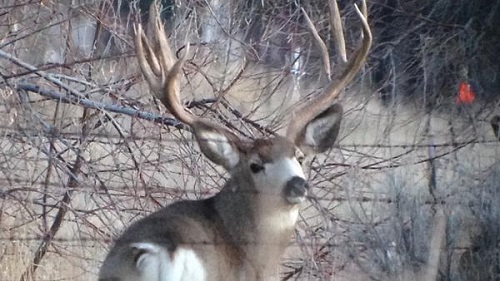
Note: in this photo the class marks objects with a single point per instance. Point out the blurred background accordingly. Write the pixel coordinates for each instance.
(85, 149)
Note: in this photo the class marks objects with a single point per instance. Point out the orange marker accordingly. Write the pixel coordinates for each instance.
(465, 94)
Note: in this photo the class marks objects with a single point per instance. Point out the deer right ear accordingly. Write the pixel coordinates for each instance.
(217, 145)
(321, 132)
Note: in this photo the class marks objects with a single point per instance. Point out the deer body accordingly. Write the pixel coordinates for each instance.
(210, 239)
(241, 232)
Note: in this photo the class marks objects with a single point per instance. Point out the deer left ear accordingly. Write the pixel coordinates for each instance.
(321, 132)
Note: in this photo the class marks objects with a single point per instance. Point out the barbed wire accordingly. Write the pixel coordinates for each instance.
(175, 193)
(105, 137)
(87, 240)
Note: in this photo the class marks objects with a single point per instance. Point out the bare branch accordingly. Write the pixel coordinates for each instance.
(100, 106)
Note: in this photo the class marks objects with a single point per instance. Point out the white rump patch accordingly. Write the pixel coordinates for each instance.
(156, 265)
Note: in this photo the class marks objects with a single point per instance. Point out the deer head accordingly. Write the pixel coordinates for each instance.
(312, 129)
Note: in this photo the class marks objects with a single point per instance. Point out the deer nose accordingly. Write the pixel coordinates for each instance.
(296, 190)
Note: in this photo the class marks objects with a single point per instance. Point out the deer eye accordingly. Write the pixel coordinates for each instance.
(299, 156)
(300, 159)
(256, 168)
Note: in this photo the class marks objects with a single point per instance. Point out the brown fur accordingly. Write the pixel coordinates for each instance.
(217, 229)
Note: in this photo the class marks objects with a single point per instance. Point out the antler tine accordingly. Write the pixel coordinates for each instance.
(147, 59)
(322, 102)
(337, 33)
(325, 56)
(160, 68)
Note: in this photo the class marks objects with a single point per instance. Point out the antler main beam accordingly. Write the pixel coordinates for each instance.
(325, 99)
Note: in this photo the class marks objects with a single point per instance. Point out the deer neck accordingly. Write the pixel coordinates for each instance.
(252, 218)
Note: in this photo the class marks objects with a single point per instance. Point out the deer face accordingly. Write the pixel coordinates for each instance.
(275, 166)
(271, 166)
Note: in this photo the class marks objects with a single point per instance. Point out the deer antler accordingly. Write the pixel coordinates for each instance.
(161, 71)
(322, 102)
(336, 25)
(160, 68)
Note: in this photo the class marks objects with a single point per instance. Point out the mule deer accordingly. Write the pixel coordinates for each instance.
(241, 232)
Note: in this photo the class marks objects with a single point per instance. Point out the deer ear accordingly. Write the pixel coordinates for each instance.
(321, 132)
(217, 145)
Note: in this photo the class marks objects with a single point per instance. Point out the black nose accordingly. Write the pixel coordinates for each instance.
(296, 190)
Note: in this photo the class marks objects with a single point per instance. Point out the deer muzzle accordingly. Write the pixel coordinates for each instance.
(295, 190)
